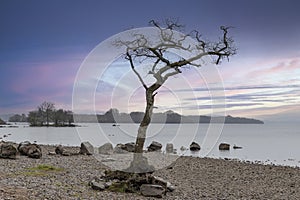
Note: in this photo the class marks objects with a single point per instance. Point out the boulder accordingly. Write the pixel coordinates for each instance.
(150, 190)
(24, 147)
(119, 148)
(130, 146)
(224, 146)
(169, 148)
(86, 148)
(30, 150)
(8, 151)
(59, 149)
(155, 146)
(107, 149)
(195, 146)
(34, 151)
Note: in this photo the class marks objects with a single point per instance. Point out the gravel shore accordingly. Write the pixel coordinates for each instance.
(194, 178)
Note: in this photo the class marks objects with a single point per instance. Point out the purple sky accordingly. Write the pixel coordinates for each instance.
(43, 43)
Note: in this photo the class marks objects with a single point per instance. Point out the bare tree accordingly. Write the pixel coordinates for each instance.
(46, 109)
(140, 49)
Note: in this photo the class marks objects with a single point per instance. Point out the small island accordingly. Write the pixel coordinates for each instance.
(114, 116)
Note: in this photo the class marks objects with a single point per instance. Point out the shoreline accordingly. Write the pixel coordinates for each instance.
(193, 177)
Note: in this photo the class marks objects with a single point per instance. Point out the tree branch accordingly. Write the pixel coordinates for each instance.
(128, 57)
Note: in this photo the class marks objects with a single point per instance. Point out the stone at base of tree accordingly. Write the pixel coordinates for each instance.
(139, 165)
(107, 149)
(150, 190)
(8, 151)
(224, 146)
(155, 146)
(169, 148)
(195, 146)
(59, 149)
(86, 148)
(162, 182)
(97, 185)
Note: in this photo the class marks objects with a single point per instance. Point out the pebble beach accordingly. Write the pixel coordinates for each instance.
(194, 178)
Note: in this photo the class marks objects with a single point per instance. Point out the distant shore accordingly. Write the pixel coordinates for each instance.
(194, 178)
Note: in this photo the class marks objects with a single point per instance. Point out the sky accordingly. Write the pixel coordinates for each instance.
(44, 43)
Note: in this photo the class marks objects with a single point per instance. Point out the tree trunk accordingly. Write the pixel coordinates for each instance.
(141, 136)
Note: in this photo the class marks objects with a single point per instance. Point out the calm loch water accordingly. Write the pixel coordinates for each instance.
(276, 143)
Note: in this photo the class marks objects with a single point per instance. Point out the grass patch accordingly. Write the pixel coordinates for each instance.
(45, 168)
(118, 187)
(40, 170)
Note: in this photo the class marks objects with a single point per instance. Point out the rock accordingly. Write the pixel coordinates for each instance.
(195, 146)
(4, 136)
(130, 146)
(155, 146)
(224, 146)
(66, 153)
(34, 151)
(59, 149)
(107, 149)
(97, 185)
(170, 187)
(182, 148)
(149, 190)
(24, 147)
(169, 148)
(119, 148)
(86, 148)
(236, 147)
(8, 151)
(51, 153)
(160, 181)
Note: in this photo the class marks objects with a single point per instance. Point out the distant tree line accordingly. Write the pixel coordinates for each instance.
(46, 115)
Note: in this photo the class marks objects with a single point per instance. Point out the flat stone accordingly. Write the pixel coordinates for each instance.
(97, 185)
(149, 190)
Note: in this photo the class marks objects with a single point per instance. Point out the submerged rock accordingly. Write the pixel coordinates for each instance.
(169, 148)
(195, 146)
(236, 147)
(224, 147)
(155, 146)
